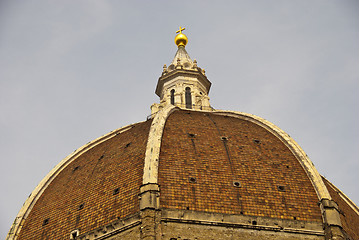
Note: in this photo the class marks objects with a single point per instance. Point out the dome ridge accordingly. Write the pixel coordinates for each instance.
(150, 172)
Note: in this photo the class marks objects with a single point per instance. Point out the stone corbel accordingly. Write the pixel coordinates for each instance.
(332, 224)
(149, 196)
(331, 212)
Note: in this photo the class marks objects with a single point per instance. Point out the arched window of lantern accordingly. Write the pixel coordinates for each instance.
(188, 97)
(173, 97)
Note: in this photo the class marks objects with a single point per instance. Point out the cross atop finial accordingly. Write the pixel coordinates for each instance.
(180, 30)
(181, 39)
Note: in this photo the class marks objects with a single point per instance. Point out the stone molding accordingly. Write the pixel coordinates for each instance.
(241, 221)
(149, 221)
(111, 229)
(40, 188)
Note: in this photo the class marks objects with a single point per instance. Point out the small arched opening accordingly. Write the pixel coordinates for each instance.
(173, 97)
(188, 97)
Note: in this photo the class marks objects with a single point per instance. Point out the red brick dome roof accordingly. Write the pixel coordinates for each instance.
(211, 162)
(230, 165)
(96, 187)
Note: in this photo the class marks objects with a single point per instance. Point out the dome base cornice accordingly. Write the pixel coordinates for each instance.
(143, 225)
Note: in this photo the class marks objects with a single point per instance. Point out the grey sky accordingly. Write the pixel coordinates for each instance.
(71, 71)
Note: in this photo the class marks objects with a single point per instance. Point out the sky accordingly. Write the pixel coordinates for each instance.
(72, 71)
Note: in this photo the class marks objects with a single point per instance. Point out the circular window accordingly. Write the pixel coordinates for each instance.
(192, 180)
(237, 183)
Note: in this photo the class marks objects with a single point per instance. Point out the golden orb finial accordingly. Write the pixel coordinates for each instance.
(181, 39)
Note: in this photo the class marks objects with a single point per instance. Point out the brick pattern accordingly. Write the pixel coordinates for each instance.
(349, 219)
(91, 180)
(197, 169)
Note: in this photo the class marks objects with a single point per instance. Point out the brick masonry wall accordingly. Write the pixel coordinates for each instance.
(203, 155)
(84, 196)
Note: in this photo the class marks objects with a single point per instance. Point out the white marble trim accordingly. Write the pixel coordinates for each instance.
(150, 171)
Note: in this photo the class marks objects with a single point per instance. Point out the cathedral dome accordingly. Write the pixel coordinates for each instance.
(188, 172)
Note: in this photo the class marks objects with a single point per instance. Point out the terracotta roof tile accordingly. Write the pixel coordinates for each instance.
(217, 150)
(82, 195)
